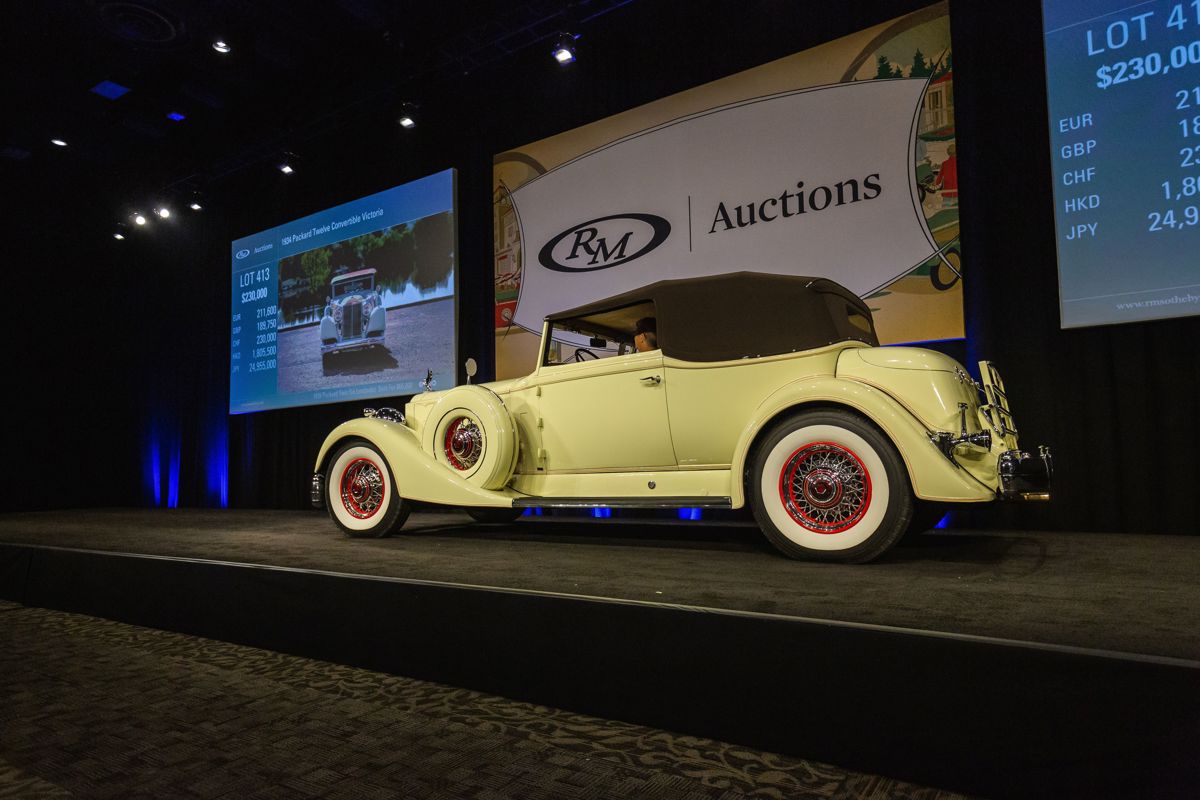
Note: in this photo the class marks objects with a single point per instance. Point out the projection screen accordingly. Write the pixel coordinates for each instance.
(353, 302)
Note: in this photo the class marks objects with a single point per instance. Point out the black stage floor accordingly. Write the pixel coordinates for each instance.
(1132, 594)
(997, 664)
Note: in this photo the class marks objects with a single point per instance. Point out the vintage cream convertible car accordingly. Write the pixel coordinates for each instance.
(766, 389)
(354, 317)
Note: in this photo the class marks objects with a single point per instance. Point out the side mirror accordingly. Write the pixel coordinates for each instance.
(472, 369)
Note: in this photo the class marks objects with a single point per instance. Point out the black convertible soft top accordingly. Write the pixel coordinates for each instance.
(744, 315)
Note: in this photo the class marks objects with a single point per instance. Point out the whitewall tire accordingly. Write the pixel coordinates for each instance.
(828, 485)
(361, 493)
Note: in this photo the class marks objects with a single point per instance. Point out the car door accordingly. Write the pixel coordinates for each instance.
(608, 415)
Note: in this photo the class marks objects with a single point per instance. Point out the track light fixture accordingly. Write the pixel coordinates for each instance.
(221, 46)
(564, 48)
(139, 218)
(163, 212)
(58, 142)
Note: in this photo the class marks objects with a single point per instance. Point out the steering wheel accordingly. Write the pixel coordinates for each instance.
(581, 351)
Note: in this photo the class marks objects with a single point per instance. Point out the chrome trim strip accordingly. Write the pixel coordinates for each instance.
(623, 502)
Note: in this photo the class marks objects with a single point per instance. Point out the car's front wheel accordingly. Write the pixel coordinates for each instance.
(827, 485)
(361, 494)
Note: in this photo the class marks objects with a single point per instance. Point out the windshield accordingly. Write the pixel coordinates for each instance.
(354, 286)
(604, 334)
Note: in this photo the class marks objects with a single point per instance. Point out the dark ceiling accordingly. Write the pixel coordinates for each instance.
(296, 71)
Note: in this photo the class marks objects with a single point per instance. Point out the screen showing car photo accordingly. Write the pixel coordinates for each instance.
(354, 302)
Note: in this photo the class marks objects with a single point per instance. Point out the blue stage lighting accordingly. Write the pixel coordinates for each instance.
(152, 470)
(110, 90)
(218, 466)
(173, 475)
(175, 116)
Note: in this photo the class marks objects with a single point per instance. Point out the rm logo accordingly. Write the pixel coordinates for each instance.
(605, 242)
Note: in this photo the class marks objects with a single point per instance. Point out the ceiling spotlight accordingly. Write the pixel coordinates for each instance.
(163, 211)
(287, 162)
(139, 219)
(221, 46)
(194, 206)
(120, 237)
(58, 142)
(564, 48)
(407, 118)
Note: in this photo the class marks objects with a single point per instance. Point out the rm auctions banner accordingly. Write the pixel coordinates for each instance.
(785, 168)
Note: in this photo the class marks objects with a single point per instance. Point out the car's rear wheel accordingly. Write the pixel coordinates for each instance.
(495, 515)
(361, 494)
(827, 485)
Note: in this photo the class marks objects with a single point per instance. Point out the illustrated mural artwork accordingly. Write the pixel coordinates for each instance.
(852, 176)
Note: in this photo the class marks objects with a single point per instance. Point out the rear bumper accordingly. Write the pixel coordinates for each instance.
(1025, 476)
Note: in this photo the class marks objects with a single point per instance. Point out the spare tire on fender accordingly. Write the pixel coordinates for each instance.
(471, 432)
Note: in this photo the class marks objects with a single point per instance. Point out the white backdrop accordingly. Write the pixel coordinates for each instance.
(744, 153)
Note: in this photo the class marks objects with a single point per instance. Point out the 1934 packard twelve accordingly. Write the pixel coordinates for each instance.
(763, 389)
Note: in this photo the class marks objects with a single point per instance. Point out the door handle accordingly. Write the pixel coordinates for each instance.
(654, 379)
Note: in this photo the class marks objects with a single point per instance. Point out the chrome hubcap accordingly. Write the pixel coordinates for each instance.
(464, 443)
(362, 488)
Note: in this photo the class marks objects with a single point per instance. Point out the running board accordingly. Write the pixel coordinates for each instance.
(623, 502)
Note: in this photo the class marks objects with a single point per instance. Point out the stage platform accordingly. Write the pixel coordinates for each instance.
(1001, 664)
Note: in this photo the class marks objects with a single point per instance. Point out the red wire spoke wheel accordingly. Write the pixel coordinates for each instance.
(463, 443)
(825, 487)
(362, 488)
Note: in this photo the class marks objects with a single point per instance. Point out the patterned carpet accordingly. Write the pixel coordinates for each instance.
(92, 708)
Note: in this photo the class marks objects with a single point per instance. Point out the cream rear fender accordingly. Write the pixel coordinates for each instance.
(931, 474)
(417, 475)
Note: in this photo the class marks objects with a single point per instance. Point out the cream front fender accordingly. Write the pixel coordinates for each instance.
(417, 475)
(932, 475)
